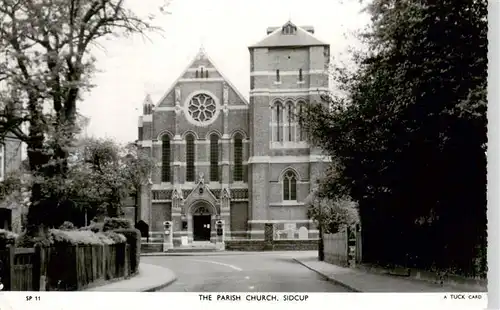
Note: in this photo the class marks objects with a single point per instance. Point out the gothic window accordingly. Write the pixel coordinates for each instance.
(190, 156)
(2, 162)
(290, 122)
(301, 78)
(278, 122)
(196, 73)
(140, 133)
(214, 157)
(289, 186)
(301, 136)
(202, 108)
(201, 72)
(238, 157)
(277, 75)
(206, 74)
(165, 158)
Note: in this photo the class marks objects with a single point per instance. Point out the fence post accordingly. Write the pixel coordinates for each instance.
(11, 252)
(77, 265)
(37, 264)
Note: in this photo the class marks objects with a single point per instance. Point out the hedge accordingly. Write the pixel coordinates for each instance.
(111, 223)
(134, 240)
(72, 237)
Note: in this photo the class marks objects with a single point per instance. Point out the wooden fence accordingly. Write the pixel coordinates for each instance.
(62, 268)
(336, 248)
(343, 248)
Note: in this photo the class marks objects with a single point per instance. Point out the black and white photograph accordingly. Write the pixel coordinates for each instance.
(245, 151)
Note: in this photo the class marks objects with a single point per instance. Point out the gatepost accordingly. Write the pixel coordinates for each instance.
(168, 236)
(221, 235)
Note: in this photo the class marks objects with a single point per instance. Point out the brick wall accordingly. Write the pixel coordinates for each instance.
(275, 245)
(239, 216)
(161, 212)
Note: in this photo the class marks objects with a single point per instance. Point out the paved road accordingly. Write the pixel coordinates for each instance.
(250, 272)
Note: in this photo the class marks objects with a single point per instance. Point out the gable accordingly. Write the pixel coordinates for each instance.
(192, 74)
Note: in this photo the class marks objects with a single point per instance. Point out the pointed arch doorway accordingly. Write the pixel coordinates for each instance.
(202, 222)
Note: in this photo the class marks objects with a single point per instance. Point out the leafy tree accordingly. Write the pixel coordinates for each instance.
(46, 62)
(107, 173)
(409, 137)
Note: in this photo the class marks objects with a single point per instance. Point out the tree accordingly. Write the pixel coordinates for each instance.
(47, 63)
(107, 173)
(139, 167)
(409, 137)
(332, 213)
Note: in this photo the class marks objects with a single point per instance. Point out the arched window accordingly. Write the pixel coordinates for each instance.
(289, 186)
(238, 158)
(2, 161)
(277, 75)
(290, 122)
(201, 70)
(214, 157)
(190, 158)
(301, 77)
(196, 73)
(300, 133)
(165, 158)
(278, 120)
(206, 74)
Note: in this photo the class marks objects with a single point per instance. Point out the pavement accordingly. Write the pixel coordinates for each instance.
(357, 280)
(151, 278)
(242, 272)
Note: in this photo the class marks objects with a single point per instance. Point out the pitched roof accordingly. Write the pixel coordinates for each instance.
(299, 37)
(201, 55)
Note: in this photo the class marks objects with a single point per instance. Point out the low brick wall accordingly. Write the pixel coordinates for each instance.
(151, 247)
(275, 245)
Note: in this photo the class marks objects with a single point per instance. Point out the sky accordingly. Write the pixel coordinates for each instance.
(130, 68)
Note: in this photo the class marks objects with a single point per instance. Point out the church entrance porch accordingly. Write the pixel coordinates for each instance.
(201, 227)
(201, 217)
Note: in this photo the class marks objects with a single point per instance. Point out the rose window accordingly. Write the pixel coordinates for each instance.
(202, 108)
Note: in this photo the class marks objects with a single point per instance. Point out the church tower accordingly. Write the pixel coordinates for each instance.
(287, 72)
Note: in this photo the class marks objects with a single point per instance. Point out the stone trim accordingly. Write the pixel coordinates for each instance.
(201, 163)
(284, 73)
(190, 186)
(287, 159)
(219, 79)
(289, 92)
(229, 107)
(287, 203)
(278, 221)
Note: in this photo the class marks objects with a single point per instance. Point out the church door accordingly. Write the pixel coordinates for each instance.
(201, 227)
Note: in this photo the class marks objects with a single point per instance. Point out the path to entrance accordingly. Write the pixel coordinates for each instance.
(252, 272)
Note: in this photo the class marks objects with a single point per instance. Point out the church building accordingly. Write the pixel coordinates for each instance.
(222, 157)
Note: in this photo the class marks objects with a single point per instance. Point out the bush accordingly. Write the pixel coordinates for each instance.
(71, 237)
(67, 226)
(111, 223)
(7, 237)
(94, 227)
(116, 237)
(134, 240)
(26, 241)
